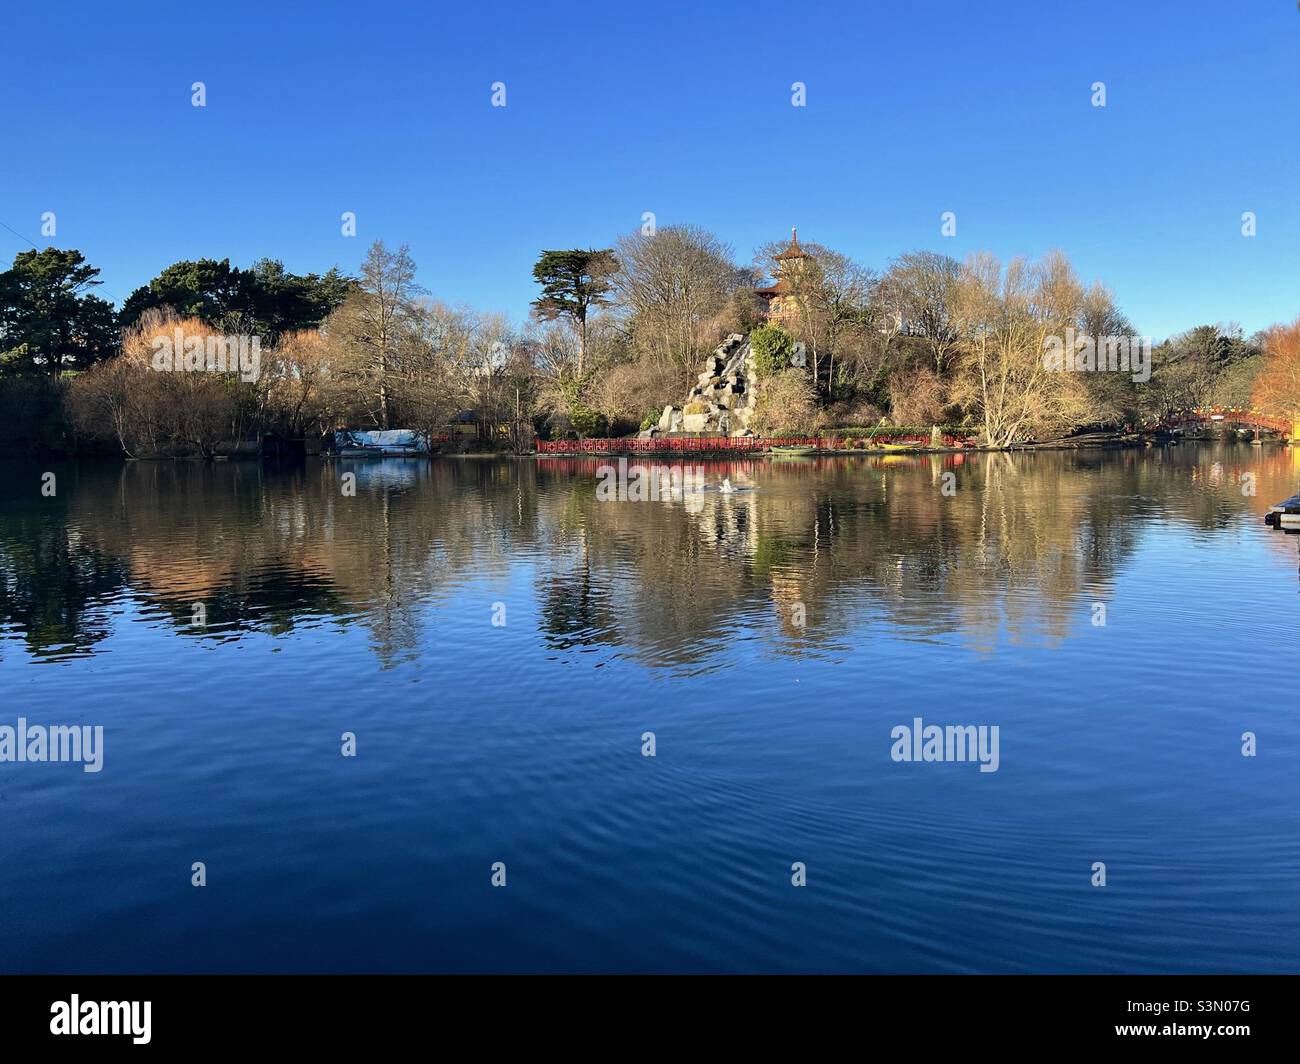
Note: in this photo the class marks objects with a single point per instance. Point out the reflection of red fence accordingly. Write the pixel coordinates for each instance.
(732, 444)
(720, 465)
(1218, 415)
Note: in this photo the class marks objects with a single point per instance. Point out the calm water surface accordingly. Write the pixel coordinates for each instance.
(521, 742)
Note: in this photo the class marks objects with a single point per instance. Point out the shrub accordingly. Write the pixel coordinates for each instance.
(772, 347)
(787, 402)
(151, 412)
(742, 313)
(855, 412)
(587, 422)
(917, 396)
(628, 392)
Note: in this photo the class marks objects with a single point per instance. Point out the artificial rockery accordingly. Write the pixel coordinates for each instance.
(722, 401)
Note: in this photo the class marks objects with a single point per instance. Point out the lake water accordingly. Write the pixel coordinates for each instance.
(970, 599)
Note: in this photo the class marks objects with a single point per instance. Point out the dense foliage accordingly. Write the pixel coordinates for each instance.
(265, 299)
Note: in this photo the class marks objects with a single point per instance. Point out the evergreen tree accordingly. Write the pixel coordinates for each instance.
(572, 283)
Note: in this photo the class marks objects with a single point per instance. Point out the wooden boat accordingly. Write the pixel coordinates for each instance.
(797, 450)
(894, 448)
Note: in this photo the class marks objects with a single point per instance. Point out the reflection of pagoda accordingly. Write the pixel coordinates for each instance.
(790, 264)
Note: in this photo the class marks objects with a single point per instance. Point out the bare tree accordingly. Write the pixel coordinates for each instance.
(1004, 318)
(671, 287)
(918, 293)
(377, 320)
(1277, 388)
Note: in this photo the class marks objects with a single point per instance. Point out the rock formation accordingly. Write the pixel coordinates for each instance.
(722, 400)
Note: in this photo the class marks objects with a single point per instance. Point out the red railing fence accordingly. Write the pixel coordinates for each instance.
(1223, 414)
(730, 444)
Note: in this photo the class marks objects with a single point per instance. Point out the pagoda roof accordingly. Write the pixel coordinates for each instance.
(794, 251)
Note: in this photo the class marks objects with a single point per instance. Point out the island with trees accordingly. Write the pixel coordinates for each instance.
(615, 337)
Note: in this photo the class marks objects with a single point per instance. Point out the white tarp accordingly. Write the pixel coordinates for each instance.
(406, 441)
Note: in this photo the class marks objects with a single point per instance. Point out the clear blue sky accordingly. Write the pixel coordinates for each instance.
(914, 108)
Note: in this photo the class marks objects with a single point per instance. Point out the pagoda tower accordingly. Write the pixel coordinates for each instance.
(781, 297)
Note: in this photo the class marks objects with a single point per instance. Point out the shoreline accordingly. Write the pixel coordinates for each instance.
(1090, 442)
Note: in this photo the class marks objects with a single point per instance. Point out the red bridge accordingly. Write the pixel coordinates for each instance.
(1220, 415)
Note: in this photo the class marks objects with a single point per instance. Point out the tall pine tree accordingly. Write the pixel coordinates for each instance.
(572, 283)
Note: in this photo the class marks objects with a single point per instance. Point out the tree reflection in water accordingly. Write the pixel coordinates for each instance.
(841, 542)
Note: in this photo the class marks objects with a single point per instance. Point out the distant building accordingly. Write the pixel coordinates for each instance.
(466, 425)
(781, 297)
